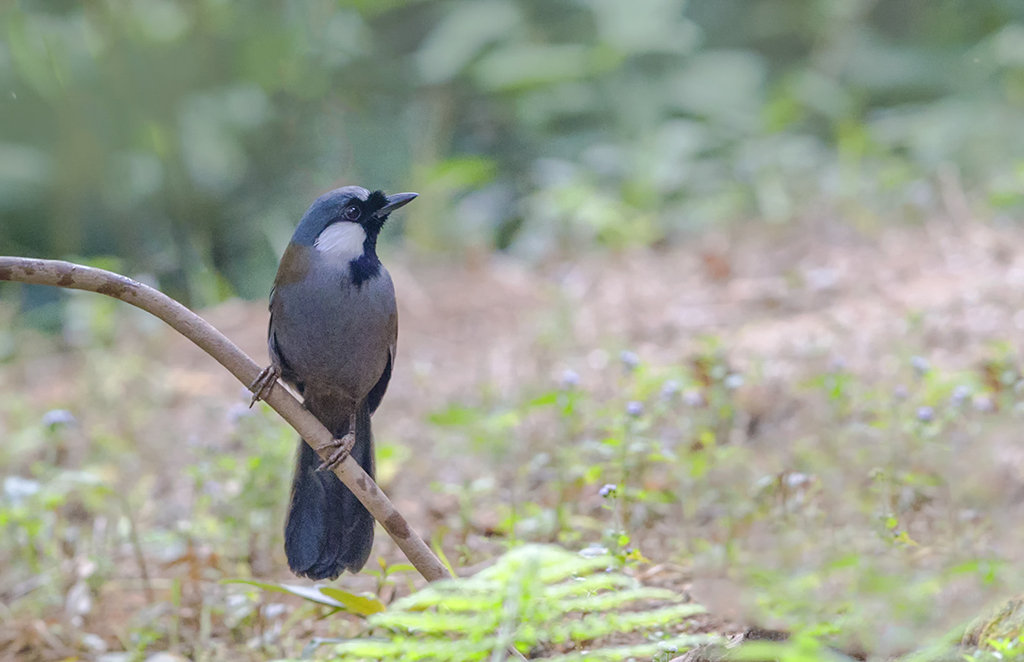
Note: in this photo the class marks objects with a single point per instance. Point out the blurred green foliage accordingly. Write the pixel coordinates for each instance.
(188, 137)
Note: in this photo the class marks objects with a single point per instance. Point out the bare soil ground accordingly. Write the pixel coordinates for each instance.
(782, 303)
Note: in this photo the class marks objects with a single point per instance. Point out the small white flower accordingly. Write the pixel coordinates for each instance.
(58, 418)
(733, 381)
(17, 489)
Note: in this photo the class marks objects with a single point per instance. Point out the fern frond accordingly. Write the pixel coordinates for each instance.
(454, 597)
(595, 626)
(617, 653)
(533, 597)
(555, 564)
(405, 648)
(605, 581)
(606, 601)
(434, 623)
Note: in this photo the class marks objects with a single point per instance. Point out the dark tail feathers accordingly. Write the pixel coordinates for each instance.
(328, 530)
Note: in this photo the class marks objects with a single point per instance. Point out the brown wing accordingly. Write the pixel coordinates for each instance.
(294, 266)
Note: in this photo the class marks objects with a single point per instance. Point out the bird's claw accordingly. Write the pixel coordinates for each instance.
(340, 449)
(264, 381)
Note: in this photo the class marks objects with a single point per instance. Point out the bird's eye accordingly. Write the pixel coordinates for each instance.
(351, 213)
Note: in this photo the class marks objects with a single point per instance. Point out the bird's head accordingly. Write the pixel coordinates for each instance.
(344, 223)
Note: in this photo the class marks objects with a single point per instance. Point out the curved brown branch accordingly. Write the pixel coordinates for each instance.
(214, 343)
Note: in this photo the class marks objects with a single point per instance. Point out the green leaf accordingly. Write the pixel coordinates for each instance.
(455, 416)
(324, 595)
(462, 35)
(592, 474)
(545, 400)
(310, 593)
(363, 606)
(459, 173)
(521, 66)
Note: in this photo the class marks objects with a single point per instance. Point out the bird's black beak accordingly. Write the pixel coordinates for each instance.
(394, 202)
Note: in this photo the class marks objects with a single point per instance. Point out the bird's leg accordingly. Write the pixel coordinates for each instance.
(340, 448)
(264, 381)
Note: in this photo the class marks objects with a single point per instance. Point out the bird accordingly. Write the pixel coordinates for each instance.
(332, 337)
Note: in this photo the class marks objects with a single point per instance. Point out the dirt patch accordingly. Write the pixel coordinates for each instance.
(780, 304)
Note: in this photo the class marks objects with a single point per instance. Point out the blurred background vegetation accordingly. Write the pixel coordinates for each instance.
(803, 450)
(186, 138)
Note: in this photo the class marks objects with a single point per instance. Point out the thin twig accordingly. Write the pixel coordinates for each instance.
(214, 343)
(133, 536)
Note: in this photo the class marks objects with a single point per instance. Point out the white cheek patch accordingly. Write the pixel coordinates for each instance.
(342, 241)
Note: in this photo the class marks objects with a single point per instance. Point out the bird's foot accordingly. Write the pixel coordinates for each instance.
(264, 381)
(340, 449)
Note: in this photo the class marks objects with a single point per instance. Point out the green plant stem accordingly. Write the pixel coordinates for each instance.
(133, 536)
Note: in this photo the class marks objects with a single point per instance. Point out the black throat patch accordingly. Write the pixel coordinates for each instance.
(364, 267)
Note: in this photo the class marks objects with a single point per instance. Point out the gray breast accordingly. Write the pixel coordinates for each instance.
(335, 335)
